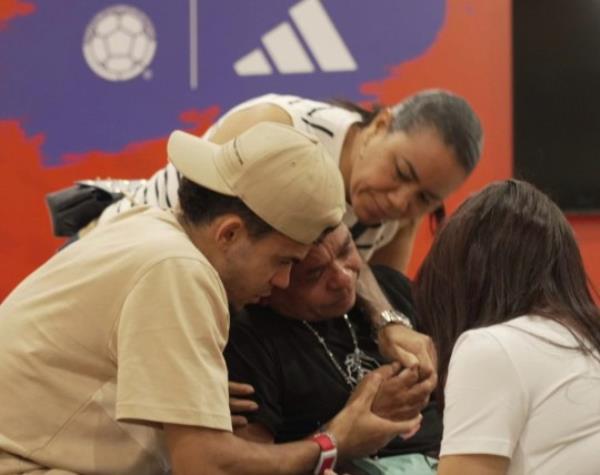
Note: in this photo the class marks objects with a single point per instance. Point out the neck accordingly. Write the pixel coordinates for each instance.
(199, 236)
(286, 308)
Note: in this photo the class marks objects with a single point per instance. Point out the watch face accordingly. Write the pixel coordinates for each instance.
(392, 316)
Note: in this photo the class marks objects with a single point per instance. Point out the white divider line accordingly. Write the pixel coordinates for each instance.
(193, 44)
(322, 37)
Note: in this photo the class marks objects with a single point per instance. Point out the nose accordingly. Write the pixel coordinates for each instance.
(342, 278)
(281, 278)
(400, 199)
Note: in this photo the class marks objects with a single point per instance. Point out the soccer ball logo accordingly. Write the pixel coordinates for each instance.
(119, 43)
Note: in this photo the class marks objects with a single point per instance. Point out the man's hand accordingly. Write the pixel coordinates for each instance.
(411, 349)
(239, 403)
(402, 397)
(360, 432)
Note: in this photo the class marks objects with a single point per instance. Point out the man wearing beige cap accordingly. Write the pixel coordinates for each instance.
(111, 352)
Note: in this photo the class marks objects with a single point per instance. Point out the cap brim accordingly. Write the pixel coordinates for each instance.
(195, 159)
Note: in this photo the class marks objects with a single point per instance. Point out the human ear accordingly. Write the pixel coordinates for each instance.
(228, 230)
(380, 124)
(383, 119)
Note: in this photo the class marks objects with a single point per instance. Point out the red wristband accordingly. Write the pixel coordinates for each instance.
(328, 455)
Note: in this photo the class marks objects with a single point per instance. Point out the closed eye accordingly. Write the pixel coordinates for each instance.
(424, 198)
(314, 274)
(400, 175)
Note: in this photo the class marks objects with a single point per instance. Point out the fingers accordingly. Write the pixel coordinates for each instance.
(411, 433)
(237, 405)
(238, 421)
(426, 362)
(411, 348)
(240, 389)
(410, 427)
(405, 358)
(386, 371)
(419, 392)
(367, 389)
(402, 397)
(407, 378)
(240, 404)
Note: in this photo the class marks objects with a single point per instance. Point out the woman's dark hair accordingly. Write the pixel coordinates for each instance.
(508, 251)
(199, 205)
(450, 115)
(437, 218)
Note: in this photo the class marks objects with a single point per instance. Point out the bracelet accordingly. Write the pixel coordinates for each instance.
(388, 317)
(328, 455)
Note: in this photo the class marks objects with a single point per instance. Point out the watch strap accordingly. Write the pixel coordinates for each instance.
(328, 456)
(387, 317)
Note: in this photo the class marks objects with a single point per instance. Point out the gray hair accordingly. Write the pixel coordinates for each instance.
(449, 114)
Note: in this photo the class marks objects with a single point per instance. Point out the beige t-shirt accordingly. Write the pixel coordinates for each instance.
(115, 334)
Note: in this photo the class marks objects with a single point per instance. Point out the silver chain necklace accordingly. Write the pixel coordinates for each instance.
(354, 361)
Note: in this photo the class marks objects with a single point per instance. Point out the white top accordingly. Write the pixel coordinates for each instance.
(517, 395)
(126, 325)
(327, 122)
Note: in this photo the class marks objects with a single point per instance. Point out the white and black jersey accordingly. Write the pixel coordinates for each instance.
(328, 122)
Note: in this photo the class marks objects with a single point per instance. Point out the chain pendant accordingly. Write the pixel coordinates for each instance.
(357, 363)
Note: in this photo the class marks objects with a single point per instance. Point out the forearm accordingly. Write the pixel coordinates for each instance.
(356, 430)
(204, 451)
(249, 458)
(370, 296)
(398, 251)
(473, 464)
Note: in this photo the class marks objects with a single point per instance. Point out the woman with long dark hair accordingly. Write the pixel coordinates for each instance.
(504, 296)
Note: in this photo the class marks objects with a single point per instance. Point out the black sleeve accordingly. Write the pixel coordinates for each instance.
(252, 359)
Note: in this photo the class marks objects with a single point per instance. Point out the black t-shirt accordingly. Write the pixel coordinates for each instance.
(298, 388)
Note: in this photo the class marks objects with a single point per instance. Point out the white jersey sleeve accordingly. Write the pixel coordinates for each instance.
(486, 403)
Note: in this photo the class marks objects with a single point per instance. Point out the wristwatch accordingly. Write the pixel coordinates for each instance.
(328, 456)
(388, 317)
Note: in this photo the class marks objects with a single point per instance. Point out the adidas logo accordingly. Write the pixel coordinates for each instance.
(285, 50)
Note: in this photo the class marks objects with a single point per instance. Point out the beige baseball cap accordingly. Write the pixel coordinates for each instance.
(283, 175)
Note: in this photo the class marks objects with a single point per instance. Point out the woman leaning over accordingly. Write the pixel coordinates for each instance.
(398, 163)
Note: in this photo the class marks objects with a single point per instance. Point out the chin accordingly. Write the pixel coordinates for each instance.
(364, 217)
(340, 308)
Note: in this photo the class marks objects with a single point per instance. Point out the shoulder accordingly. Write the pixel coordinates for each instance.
(263, 112)
(518, 333)
(259, 322)
(487, 355)
(151, 241)
(485, 393)
(482, 343)
(246, 115)
(490, 342)
(297, 111)
(509, 348)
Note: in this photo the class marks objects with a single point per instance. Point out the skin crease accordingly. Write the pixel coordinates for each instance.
(257, 266)
(250, 267)
(399, 344)
(361, 154)
(323, 285)
(376, 166)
